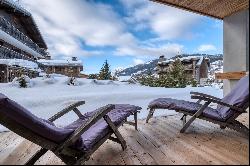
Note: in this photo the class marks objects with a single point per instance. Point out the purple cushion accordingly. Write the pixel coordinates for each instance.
(190, 107)
(23, 117)
(48, 130)
(239, 96)
(99, 130)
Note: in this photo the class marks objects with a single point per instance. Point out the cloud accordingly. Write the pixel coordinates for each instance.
(206, 48)
(167, 22)
(145, 52)
(66, 25)
(138, 61)
(69, 27)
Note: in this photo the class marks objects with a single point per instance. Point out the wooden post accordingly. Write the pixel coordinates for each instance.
(184, 119)
(36, 157)
(116, 132)
(135, 118)
(150, 114)
(196, 115)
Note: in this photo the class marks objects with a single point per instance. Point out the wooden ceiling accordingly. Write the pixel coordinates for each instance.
(214, 8)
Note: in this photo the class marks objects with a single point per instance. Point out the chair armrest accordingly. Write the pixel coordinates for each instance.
(218, 102)
(205, 95)
(84, 127)
(66, 110)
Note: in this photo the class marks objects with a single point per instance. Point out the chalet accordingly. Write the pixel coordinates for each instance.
(71, 68)
(21, 42)
(195, 66)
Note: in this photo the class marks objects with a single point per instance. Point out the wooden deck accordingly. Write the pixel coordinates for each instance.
(158, 142)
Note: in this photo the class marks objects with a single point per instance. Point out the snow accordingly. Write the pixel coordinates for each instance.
(215, 67)
(15, 82)
(17, 6)
(200, 61)
(19, 62)
(124, 78)
(166, 61)
(60, 62)
(47, 96)
(200, 58)
(14, 42)
(190, 57)
(149, 62)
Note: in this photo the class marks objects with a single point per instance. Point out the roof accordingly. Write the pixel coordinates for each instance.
(26, 19)
(60, 62)
(198, 59)
(214, 8)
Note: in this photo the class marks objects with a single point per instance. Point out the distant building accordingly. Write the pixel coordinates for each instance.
(196, 67)
(21, 42)
(71, 68)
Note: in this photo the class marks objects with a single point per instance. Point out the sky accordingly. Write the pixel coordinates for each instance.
(124, 32)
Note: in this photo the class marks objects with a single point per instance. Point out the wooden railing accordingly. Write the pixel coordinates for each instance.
(230, 75)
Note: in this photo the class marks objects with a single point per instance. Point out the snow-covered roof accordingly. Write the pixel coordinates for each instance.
(60, 62)
(17, 6)
(19, 62)
(198, 58)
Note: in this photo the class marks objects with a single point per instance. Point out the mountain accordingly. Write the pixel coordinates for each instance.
(138, 69)
(151, 65)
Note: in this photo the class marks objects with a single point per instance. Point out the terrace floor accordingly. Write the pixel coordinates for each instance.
(158, 142)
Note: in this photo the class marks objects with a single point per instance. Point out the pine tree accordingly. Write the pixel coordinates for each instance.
(22, 82)
(176, 76)
(93, 76)
(105, 73)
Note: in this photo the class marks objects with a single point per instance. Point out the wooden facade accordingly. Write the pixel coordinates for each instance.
(195, 67)
(70, 68)
(70, 71)
(8, 73)
(20, 38)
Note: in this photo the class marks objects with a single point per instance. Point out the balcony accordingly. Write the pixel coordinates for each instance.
(8, 28)
(156, 143)
(6, 53)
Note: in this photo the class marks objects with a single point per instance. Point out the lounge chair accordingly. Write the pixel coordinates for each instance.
(75, 143)
(228, 109)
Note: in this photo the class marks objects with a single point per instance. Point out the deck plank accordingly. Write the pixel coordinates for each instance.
(158, 142)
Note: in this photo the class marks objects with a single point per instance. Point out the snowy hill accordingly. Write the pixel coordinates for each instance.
(138, 69)
(151, 65)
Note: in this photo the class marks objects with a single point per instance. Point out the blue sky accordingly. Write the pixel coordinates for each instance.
(125, 32)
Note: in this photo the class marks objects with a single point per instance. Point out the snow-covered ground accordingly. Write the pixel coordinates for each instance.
(46, 96)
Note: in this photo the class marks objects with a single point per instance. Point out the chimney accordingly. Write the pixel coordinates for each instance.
(74, 58)
(162, 58)
(47, 57)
